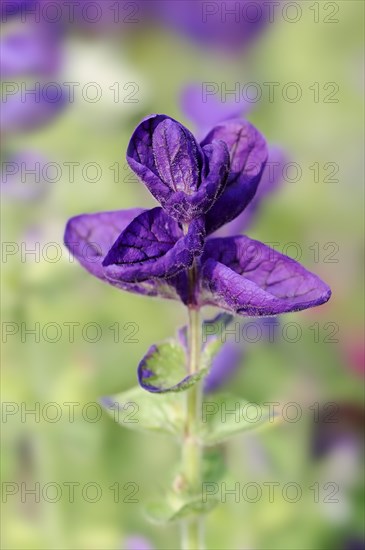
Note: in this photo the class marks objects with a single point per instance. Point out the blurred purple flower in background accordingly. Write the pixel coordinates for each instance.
(22, 177)
(233, 352)
(136, 542)
(339, 427)
(229, 26)
(354, 544)
(224, 366)
(26, 113)
(30, 48)
(205, 110)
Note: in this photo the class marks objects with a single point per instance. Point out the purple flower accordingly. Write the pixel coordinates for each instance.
(229, 25)
(30, 46)
(271, 180)
(185, 178)
(136, 542)
(32, 49)
(247, 277)
(248, 156)
(24, 113)
(153, 246)
(18, 181)
(150, 252)
(206, 112)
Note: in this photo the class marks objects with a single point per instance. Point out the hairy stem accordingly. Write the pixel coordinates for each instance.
(192, 529)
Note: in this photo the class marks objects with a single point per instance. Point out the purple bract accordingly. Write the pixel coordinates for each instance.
(201, 188)
(185, 178)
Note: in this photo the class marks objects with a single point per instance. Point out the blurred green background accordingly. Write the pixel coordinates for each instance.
(35, 449)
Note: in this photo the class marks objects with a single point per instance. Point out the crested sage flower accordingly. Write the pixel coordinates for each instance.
(200, 188)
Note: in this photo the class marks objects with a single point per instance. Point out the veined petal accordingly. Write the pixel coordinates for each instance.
(271, 179)
(141, 159)
(153, 246)
(249, 278)
(214, 178)
(248, 156)
(176, 156)
(217, 168)
(89, 237)
(166, 157)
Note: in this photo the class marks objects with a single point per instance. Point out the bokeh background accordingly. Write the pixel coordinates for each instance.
(142, 64)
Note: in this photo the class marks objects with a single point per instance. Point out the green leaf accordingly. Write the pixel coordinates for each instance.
(214, 466)
(139, 410)
(164, 369)
(173, 508)
(224, 416)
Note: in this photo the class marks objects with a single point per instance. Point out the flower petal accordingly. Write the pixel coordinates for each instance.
(182, 206)
(249, 278)
(176, 156)
(166, 157)
(248, 153)
(153, 246)
(271, 179)
(90, 236)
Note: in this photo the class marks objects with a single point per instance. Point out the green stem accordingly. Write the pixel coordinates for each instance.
(192, 529)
